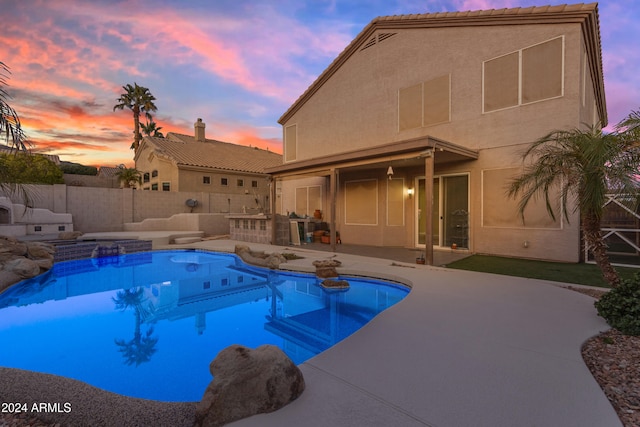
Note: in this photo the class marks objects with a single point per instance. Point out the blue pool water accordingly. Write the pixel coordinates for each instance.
(148, 324)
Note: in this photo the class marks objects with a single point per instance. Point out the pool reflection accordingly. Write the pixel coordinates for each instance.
(183, 307)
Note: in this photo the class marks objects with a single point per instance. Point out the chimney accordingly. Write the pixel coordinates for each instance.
(199, 130)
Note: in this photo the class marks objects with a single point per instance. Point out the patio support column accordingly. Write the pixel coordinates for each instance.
(428, 207)
(272, 210)
(333, 189)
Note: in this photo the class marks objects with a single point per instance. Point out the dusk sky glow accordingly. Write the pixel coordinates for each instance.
(238, 64)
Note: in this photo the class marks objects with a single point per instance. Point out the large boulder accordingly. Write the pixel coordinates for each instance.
(259, 258)
(19, 260)
(22, 267)
(37, 250)
(12, 246)
(248, 382)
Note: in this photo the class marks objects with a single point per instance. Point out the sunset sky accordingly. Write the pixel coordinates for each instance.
(237, 64)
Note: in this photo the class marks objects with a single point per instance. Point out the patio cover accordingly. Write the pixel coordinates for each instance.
(409, 153)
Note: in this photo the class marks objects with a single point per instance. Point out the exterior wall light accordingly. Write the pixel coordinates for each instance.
(410, 192)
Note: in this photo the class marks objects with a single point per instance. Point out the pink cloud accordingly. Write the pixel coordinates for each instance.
(465, 5)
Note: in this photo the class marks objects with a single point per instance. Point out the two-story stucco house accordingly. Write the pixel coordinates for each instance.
(412, 134)
(194, 163)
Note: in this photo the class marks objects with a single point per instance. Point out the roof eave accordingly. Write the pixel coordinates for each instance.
(586, 14)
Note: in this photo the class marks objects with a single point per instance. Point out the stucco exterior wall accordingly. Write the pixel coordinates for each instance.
(358, 108)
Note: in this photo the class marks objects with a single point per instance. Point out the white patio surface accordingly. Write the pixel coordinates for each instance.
(462, 349)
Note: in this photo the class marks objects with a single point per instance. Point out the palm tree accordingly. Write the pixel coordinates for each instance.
(151, 129)
(14, 136)
(585, 165)
(129, 177)
(139, 100)
(139, 349)
(9, 121)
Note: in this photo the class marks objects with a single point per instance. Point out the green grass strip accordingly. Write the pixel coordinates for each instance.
(581, 274)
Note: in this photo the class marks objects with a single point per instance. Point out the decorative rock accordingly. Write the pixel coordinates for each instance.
(20, 260)
(326, 268)
(44, 263)
(11, 245)
(69, 235)
(259, 258)
(248, 382)
(22, 267)
(37, 250)
(335, 284)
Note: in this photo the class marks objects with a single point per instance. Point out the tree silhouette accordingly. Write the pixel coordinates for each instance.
(15, 139)
(151, 128)
(138, 99)
(142, 346)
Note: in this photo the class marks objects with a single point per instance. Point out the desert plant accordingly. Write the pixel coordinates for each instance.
(620, 307)
(584, 165)
(129, 177)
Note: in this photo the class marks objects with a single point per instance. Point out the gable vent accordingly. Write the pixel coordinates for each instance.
(370, 43)
(376, 39)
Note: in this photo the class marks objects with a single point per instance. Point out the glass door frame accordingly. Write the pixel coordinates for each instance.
(440, 204)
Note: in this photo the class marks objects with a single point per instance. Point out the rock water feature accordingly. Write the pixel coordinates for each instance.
(22, 260)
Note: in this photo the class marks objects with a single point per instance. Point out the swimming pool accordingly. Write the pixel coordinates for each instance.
(148, 324)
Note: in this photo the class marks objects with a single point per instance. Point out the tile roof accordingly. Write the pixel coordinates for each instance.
(108, 171)
(587, 14)
(184, 150)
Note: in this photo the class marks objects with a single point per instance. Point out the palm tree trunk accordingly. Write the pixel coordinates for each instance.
(136, 128)
(593, 239)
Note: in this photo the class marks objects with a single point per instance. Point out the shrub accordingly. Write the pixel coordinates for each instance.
(620, 307)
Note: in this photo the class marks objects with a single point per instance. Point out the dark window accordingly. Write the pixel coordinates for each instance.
(166, 186)
(240, 183)
(206, 285)
(224, 181)
(206, 180)
(145, 177)
(254, 184)
(154, 187)
(154, 174)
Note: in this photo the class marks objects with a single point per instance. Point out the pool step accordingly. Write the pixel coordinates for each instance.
(186, 240)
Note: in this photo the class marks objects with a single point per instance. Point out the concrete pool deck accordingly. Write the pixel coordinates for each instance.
(462, 349)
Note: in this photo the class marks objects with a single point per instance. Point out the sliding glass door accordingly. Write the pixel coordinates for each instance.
(450, 211)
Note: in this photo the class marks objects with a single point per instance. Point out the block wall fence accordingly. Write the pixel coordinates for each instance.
(107, 209)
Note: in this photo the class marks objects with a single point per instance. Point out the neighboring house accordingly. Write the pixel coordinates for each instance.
(415, 130)
(193, 163)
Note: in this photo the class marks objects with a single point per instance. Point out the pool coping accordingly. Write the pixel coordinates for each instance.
(463, 348)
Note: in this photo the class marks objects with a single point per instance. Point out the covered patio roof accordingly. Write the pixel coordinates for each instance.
(419, 152)
(406, 153)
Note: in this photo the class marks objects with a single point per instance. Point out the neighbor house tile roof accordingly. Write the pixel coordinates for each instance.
(184, 150)
(108, 171)
(585, 14)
